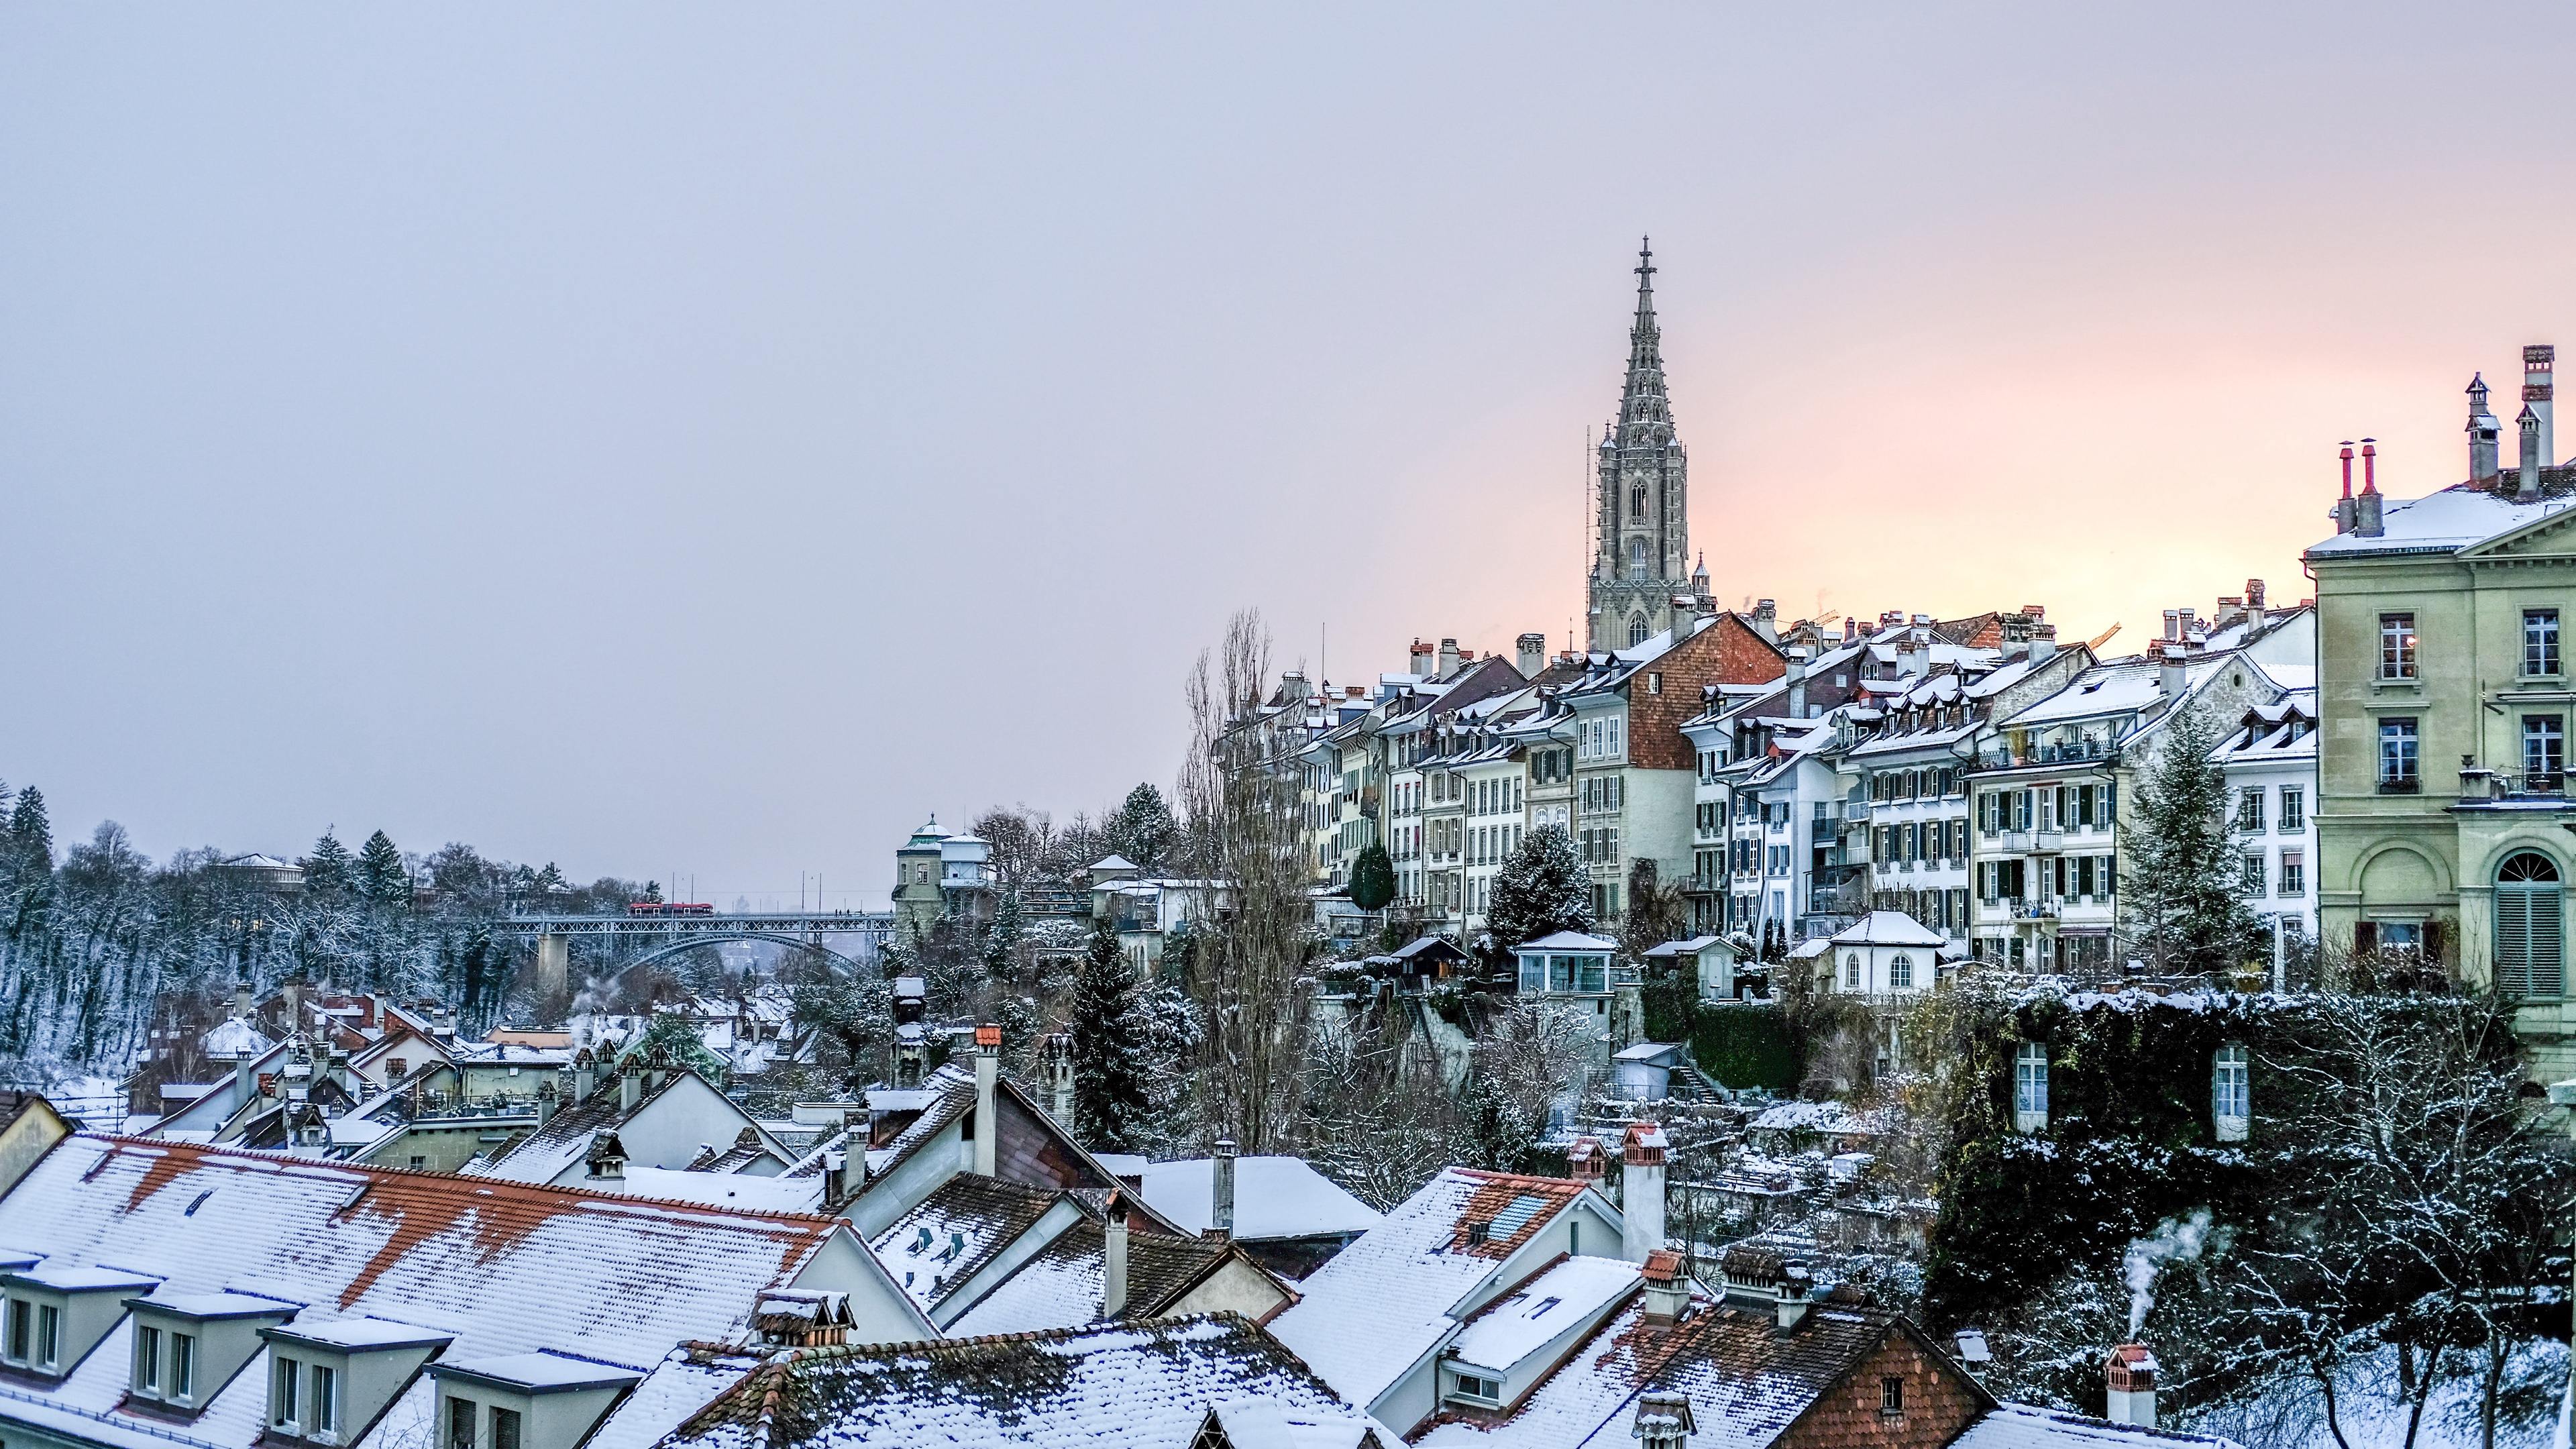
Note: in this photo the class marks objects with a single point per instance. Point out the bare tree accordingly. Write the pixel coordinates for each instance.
(1239, 791)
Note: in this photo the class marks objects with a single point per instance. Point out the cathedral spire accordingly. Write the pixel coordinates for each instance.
(1645, 415)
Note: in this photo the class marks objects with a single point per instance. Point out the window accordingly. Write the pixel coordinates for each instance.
(2109, 880)
(1891, 1395)
(2397, 646)
(2294, 873)
(2030, 1087)
(20, 1316)
(460, 1424)
(2228, 1096)
(1851, 971)
(283, 1382)
(505, 1429)
(147, 1359)
(2397, 757)
(322, 1411)
(1900, 972)
(1636, 502)
(1483, 1390)
(1636, 558)
(2249, 808)
(2249, 873)
(2529, 927)
(2544, 750)
(2294, 809)
(183, 1365)
(2540, 641)
(49, 1334)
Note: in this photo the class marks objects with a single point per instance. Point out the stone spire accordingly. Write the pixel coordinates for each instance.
(1645, 414)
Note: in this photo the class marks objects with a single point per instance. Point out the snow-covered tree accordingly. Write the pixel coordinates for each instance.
(2180, 887)
(1142, 829)
(381, 876)
(31, 835)
(1541, 889)
(669, 1034)
(328, 870)
(1111, 1066)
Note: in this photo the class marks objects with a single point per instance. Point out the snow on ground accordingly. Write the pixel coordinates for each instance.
(2373, 1415)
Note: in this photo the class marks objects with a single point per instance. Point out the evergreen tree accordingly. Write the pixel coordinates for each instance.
(2180, 887)
(550, 881)
(1540, 890)
(1002, 938)
(1110, 1066)
(671, 1035)
(1372, 879)
(31, 835)
(381, 876)
(1142, 829)
(328, 869)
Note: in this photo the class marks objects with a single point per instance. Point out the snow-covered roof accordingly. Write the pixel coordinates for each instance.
(1691, 947)
(1516, 1327)
(1367, 1315)
(933, 1249)
(1569, 941)
(1274, 1197)
(1831, 1117)
(2122, 686)
(506, 1268)
(1887, 928)
(1149, 1386)
(2022, 1426)
(2441, 522)
(232, 1039)
(739, 1190)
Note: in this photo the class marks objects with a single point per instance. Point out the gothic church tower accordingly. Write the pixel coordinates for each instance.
(1641, 521)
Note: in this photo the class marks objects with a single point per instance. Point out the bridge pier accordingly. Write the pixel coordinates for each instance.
(554, 967)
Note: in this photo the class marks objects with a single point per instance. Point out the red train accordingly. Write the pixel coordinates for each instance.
(668, 908)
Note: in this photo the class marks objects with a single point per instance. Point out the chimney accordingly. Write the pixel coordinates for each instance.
(2172, 675)
(2482, 432)
(1059, 1063)
(2539, 361)
(1424, 659)
(2527, 487)
(1797, 681)
(243, 1005)
(293, 988)
(1851, 629)
(585, 1074)
(1641, 1191)
(2043, 643)
(1667, 1289)
(988, 1068)
(1221, 1189)
(1533, 655)
(836, 1177)
(1795, 1288)
(630, 1086)
(1113, 1263)
(2344, 515)
(1766, 620)
(2132, 1376)
(1586, 1161)
(2368, 508)
(607, 1159)
(2254, 611)
(548, 1099)
(1448, 657)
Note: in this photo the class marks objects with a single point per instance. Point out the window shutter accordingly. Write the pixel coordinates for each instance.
(2365, 936)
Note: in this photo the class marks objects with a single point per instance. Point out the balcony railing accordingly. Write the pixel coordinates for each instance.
(2482, 785)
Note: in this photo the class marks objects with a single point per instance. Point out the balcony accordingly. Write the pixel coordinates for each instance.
(2025, 909)
(2496, 787)
(1855, 810)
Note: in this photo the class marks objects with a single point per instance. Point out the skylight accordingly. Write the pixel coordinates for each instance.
(1516, 1216)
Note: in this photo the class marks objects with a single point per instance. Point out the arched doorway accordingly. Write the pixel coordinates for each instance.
(2530, 927)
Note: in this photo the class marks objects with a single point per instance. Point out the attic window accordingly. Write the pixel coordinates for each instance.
(199, 1202)
(1517, 1214)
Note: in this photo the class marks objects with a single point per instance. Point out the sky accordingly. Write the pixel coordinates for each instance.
(701, 442)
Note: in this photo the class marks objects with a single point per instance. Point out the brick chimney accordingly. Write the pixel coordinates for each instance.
(1641, 1190)
(1586, 1162)
(1766, 619)
(988, 1071)
(1221, 1189)
(1423, 659)
(1113, 1264)
(1667, 1288)
(2132, 1376)
(1448, 657)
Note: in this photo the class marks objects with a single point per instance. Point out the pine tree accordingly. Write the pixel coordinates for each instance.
(31, 835)
(2180, 887)
(1142, 829)
(1540, 890)
(1002, 938)
(381, 876)
(328, 869)
(1109, 1057)
(1372, 879)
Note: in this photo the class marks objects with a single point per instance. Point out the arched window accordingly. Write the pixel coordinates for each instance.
(2530, 928)
(1636, 558)
(1637, 503)
(1900, 972)
(1851, 971)
(2030, 1088)
(1636, 631)
(2230, 1097)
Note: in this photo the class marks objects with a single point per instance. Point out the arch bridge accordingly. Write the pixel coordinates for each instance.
(804, 930)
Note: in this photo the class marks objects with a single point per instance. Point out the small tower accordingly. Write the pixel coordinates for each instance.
(1641, 532)
(2539, 365)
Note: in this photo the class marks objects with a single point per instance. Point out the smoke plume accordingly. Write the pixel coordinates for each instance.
(2173, 1242)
